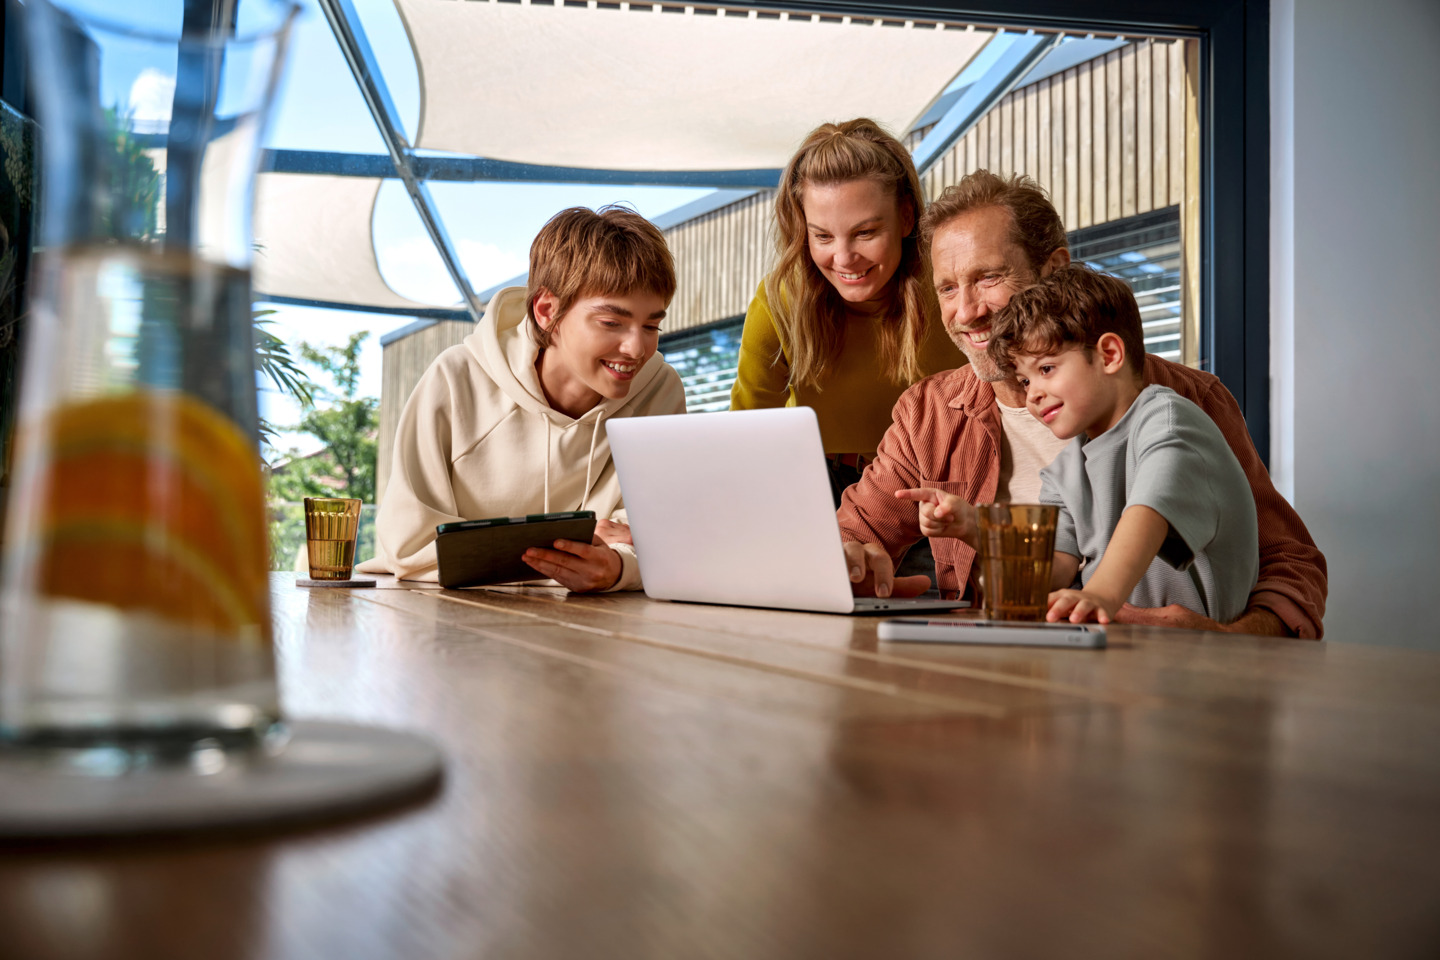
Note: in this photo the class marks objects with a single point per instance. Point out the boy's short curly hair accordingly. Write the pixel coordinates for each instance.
(589, 253)
(1073, 305)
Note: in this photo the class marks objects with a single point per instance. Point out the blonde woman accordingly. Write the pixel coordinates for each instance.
(848, 318)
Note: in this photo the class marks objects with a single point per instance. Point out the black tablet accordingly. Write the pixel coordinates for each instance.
(472, 553)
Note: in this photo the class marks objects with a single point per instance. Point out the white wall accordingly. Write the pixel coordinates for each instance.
(1355, 304)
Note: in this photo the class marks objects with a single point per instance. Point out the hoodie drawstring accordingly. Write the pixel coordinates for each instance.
(590, 460)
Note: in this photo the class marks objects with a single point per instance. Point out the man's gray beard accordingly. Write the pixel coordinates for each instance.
(984, 368)
(987, 371)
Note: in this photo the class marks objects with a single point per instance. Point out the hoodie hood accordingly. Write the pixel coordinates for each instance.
(504, 345)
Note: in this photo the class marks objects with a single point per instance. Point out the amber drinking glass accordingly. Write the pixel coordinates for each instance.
(331, 526)
(1017, 550)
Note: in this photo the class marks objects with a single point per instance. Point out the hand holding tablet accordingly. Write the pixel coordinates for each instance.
(474, 553)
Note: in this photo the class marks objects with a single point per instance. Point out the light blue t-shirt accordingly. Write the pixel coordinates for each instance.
(1166, 454)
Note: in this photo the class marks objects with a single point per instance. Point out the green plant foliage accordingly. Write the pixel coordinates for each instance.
(17, 143)
(273, 359)
(347, 428)
(17, 148)
(287, 531)
(134, 187)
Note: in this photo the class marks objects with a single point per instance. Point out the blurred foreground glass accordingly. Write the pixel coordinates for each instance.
(1017, 550)
(331, 526)
(136, 607)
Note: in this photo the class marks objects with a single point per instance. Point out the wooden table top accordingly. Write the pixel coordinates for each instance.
(634, 779)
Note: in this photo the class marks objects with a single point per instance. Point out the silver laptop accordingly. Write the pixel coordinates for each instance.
(736, 508)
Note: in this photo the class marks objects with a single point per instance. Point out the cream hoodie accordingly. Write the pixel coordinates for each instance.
(477, 439)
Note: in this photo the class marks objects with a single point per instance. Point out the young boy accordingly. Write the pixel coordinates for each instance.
(512, 421)
(1154, 507)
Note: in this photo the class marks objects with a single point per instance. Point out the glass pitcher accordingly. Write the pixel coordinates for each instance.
(134, 580)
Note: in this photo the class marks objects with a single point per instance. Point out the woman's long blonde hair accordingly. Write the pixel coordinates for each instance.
(809, 312)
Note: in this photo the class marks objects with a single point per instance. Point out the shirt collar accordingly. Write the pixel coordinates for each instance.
(970, 393)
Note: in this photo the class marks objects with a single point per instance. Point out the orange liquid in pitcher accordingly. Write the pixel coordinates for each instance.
(152, 501)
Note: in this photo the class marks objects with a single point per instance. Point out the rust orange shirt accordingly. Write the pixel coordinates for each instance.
(945, 434)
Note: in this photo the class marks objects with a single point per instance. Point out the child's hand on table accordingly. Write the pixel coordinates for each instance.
(1080, 606)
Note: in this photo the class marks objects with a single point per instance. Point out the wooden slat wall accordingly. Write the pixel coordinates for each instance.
(403, 362)
(720, 259)
(1106, 138)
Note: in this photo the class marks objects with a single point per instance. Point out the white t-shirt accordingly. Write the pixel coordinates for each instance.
(1026, 447)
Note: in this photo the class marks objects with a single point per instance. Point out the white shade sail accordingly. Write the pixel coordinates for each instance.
(313, 242)
(637, 87)
(613, 87)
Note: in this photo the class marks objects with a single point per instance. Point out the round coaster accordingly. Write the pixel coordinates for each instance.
(352, 582)
(326, 771)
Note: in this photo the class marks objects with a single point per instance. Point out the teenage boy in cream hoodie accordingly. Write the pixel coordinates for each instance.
(512, 420)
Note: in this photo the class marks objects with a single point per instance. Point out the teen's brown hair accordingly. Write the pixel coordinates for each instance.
(589, 253)
(1074, 305)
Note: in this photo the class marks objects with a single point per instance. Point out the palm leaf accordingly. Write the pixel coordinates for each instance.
(273, 359)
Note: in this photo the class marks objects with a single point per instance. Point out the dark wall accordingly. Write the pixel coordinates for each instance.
(18, 193)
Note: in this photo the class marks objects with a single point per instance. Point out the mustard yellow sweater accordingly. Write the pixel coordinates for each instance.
(854, 403)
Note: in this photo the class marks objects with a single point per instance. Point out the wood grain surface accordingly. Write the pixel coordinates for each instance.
(636, 779)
